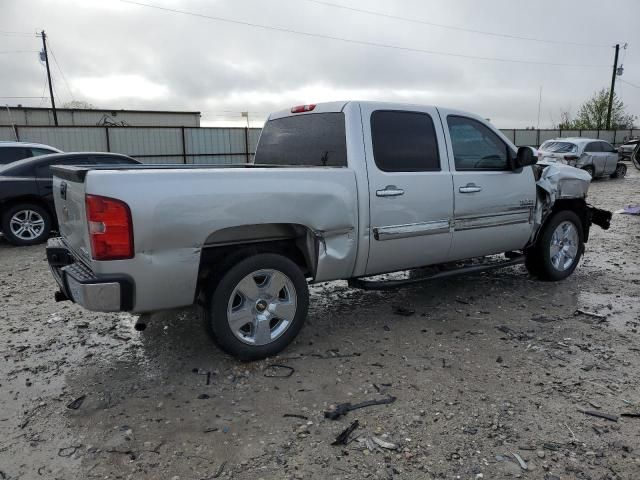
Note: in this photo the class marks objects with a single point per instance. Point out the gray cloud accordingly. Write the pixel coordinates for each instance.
(124, 56)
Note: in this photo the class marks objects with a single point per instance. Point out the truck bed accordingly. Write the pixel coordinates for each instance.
(177, 211)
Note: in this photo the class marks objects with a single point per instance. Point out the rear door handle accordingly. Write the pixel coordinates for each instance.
(470, 188)
(390, 191)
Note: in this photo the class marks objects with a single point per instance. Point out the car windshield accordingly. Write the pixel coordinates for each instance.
(559, 147)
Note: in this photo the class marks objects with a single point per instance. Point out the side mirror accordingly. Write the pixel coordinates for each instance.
(526, 156)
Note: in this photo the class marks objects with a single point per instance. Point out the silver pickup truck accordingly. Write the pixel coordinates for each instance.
(342, 190)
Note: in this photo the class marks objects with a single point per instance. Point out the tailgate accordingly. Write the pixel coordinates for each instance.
(69, 194)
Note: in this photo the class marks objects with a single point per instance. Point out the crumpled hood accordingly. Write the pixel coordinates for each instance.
(563, 181)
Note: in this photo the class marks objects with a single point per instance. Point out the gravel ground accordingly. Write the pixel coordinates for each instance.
(489, 370)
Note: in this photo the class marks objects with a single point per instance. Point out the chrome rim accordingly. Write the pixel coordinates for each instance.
(564, 246)
(262, 307)
(26, 224)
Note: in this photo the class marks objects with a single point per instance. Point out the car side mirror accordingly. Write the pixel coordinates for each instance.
(526, 156)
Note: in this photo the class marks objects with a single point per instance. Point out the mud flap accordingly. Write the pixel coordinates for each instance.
(599, 217)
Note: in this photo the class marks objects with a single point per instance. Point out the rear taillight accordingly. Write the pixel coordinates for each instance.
(303, 108)
(110, 228)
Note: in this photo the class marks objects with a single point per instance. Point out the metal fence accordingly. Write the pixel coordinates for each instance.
(535, 138)
(218, 145)
(147, 144)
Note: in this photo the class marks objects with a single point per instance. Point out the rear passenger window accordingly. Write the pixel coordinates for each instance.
(404, 141)
(11, 154)
(607, 147)
(36, 152)
(593, 147)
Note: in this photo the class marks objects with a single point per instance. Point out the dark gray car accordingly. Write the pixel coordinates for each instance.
(27, 212)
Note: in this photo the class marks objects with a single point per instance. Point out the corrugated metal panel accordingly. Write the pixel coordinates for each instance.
(570, 133)
(509, 133)
(146, 141)
(526, 138)
(548, 135)
(254, 135)
(623, 135)
(589, 133)
(218, 159)
(635, 132)
(607, 135)
(68, 139)
(44, 117)
(7, 133)
(177, 159)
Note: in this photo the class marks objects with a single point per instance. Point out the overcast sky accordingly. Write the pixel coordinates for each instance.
(119, 55)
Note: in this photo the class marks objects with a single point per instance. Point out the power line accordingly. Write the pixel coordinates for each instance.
(629, 83)
(454, 27)
(18, 34)
(354, 41)
(23, 97)
(19, 51)
(55, 60)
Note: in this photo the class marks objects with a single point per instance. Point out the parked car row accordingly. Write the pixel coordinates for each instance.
(27, 212)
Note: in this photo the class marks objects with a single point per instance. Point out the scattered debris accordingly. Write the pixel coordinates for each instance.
(220, 470)
(77, 403)
(68, 451)
(295, 415)
(343, 408)
(521, 462)
(631, 415)
(542, 318)
(276, 370)
(384, 444)
(596, 413)
(590, 314)
(343, 438)
(629, 210)
(405, 312)
(203, 396)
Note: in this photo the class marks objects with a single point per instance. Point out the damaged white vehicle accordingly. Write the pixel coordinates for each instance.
(342, 190)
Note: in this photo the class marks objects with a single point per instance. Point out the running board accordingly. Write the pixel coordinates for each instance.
(390, 284)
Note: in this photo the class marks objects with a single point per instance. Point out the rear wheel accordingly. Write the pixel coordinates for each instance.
(26, 224)
(258, 306)
(621, 171)
(558, 249)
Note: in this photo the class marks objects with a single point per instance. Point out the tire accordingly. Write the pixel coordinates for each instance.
(621, 171)
(590, 170)
(26, 224)
(542, 262)
(248, 315)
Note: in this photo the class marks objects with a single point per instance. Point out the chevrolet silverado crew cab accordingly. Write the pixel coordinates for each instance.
(341, 190)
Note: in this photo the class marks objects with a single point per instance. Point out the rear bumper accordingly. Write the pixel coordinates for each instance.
(100, 293)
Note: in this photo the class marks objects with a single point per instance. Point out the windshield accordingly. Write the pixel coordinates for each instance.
(316, 139)
(559, 147)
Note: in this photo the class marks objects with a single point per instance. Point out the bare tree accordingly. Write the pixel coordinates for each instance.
(593, 114)
(78, 104)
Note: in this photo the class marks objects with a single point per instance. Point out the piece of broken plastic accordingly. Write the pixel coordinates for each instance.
(629, 210)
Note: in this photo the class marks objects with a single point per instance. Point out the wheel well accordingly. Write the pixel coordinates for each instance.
(579, 207)
(216, 260)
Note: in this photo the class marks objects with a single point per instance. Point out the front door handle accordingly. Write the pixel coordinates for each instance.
(390, 191)
(470, 188)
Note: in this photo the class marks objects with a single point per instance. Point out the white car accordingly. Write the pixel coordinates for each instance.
(596, 157)
(12, 151)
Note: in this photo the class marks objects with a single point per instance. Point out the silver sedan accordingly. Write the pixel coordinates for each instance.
(597, 157)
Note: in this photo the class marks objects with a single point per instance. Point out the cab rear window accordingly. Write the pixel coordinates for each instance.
(316, 139)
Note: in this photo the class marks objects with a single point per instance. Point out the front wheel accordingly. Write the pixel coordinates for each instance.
(258, 306)
(558, 249)
(26, 224)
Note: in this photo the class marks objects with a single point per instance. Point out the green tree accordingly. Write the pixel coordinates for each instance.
(592, 114)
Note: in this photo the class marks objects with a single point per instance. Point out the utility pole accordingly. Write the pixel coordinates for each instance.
(46, 61)
(613, 86)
